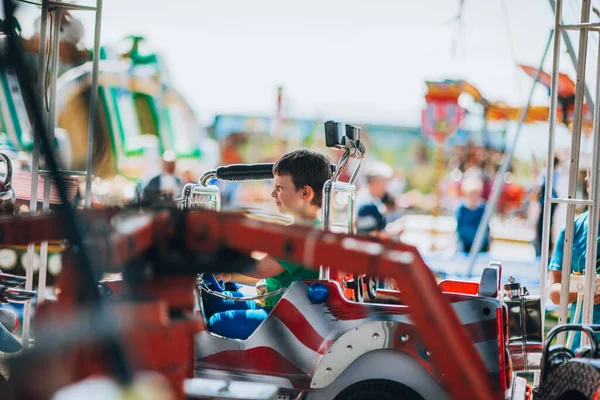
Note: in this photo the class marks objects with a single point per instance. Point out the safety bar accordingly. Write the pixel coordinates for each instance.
(589, 330)
(242, 172)
(585, 25)
(355, 150)
(572, 201)
(11, 281)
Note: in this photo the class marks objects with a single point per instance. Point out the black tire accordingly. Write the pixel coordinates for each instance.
(372, 284)
(5, 390)
(571, 380)
(378, 389)
(359, 289)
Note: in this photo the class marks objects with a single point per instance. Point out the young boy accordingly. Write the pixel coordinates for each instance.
(298, 185)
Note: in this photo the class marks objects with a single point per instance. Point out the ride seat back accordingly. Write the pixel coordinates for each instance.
(490, 280)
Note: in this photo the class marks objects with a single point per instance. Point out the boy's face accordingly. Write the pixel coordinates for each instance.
(288, 199)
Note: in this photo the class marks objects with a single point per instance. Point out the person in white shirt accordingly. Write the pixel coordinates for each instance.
(371, 209)
(166, 185)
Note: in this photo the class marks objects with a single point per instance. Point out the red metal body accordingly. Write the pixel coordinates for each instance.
(162, 342)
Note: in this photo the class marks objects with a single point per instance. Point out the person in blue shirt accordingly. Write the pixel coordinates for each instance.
(371, 210)
(580, 233)
(470, 214)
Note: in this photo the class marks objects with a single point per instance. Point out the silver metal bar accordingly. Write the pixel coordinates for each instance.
(60, 4)
(549, 156)
(327, 189)
(207, 176)
(592, 239)
(341, 166)
(573, 168)
(576, 202)
(71, 6)
(356, 170)
(54, 63)
(353, 213)
(324, 272)
(35, 165)
(524, 331)
(93, 106)
(587, 26)
(490, 205)
(343, 186)
(44, 172)
(571, 51)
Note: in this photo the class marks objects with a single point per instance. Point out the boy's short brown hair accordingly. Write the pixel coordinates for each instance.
(306, 168)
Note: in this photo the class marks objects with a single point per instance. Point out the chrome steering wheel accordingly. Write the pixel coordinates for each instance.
(7, 194)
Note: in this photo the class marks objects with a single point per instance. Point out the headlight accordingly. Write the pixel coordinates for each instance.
(8, 258)
(55, 264)
(36, 261)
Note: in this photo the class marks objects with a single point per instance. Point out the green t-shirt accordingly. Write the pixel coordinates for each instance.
(292, 273)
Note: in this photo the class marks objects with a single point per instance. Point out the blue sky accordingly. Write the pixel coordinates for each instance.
(361, 60)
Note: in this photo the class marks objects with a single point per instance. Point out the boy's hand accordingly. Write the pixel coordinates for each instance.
(222, 277)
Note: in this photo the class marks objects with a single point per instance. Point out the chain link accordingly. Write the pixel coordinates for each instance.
(201, 286)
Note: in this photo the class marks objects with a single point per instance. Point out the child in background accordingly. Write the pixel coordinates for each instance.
(470, 214)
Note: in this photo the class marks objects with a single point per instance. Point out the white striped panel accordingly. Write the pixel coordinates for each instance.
(489, 353)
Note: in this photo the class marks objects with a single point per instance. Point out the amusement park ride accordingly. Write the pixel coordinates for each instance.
(147, 330)
(138, 111)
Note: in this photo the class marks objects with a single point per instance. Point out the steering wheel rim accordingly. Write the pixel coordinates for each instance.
(8, 177)
(210, 279)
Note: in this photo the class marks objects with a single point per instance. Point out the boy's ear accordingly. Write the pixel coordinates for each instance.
(307, 193)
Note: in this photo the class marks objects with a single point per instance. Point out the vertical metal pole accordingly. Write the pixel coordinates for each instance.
(573, 168)
(327, 189)
(93, 106)
(592, 239)
(54, 63)
(571, 51)
(356, 170)
(35, 166)
(549, 168)
(490, 205)
(352, 212)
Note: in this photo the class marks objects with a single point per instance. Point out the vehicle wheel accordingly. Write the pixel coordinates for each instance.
(379, 389)
(359, 288)
(372, 284)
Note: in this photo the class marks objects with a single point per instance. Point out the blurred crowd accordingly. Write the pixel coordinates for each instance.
(386, 194)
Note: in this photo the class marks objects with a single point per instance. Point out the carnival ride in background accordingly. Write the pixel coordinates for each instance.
(141, 114)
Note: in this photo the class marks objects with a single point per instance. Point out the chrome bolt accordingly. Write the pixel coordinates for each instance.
(428, 353)
(389, 323)
(376, 336)
(404, 337)
(349, 348)
(328, 370)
